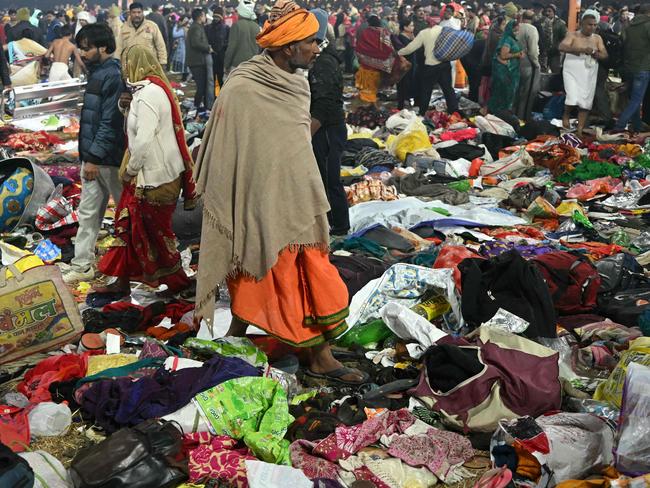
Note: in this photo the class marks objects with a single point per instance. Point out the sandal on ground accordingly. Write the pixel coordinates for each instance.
(338, 374)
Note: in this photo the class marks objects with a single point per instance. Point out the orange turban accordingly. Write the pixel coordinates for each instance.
(287, 23)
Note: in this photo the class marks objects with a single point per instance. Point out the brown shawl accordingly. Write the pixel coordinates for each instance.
(258, 177)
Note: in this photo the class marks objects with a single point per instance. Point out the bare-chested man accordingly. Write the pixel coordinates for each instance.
(60, 52)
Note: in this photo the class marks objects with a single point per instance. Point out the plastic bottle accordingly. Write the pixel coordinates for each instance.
(49, 419)
(371, 333)
(432, 307)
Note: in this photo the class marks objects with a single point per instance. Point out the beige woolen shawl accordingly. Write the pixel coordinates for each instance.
(258, 177)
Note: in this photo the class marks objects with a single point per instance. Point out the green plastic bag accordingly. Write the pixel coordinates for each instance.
(251, 409)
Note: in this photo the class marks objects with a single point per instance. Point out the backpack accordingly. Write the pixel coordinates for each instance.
(572, 281)
(453, 44)
(614, 46)
(14, 470)
(619, 273)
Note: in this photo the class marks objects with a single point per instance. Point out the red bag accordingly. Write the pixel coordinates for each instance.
(572, 280)
(14, 428)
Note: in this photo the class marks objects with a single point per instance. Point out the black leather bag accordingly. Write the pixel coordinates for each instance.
(138, 457)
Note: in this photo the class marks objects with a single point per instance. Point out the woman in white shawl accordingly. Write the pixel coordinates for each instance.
(583, 50)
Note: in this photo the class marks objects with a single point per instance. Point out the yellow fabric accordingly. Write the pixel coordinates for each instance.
(611, 390)
(367, 81)
(140, 63)
(292, 27)
(25, 264)
(412, 139)
(527, 465)
(23, 14)
(97, 364)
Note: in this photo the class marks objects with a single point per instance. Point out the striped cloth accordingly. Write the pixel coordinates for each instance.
(58, 212)
(453, 44)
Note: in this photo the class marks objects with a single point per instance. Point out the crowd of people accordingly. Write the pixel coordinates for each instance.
(512, 48)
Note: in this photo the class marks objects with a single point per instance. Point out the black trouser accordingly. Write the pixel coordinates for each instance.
(200, 75)
(645, 109)
(328, 144)
(217, 67)
(440, 74)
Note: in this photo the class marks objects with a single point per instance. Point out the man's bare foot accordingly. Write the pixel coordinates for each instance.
(566, 123)
(322, 362)
(237, 328)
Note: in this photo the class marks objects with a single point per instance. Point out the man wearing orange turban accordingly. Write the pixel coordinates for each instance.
(287, 23)
(265, 229)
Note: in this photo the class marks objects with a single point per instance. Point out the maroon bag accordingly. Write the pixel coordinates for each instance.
(572, 280)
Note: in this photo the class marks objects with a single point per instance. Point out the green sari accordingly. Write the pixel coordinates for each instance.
(505, 77)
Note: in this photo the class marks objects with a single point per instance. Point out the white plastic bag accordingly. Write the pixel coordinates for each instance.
(48, 470)
(581, 443)
(633, 446)
(493, 124)
(513, 165)
(49, 419)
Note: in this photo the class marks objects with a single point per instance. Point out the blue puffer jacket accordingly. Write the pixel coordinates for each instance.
(101, 127)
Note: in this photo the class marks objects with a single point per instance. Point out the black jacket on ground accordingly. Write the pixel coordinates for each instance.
(326, 84)
(217, 33)
(101, 127)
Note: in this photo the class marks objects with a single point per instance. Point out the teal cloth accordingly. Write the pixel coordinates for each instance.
(360, 243)
(255, 410)
(505, 77)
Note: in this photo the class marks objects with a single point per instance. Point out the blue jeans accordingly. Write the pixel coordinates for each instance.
(633, 110)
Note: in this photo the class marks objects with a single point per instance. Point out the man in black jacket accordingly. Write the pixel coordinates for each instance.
(197, 49)
(328, 129)
(101, 144)
(218, 33)
(4, 71)
(159, 20)
(24, 28)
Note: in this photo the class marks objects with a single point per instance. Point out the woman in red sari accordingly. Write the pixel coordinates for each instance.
(156, 168)
(376, 56)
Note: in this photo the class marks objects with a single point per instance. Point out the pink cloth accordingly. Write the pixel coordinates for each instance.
(215, 457)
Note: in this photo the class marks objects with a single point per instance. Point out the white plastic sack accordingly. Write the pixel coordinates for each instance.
(633, 447)
(581, 443)
(189, 419)
(411, 326)
(512, 165)
(48, 470)
(405, 284)
(400, 120)
(493, 124)
(267, 475)
(27, 75)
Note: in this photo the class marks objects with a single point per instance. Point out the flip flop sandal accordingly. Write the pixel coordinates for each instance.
(337, 374)
(478, 462)
(387, 389)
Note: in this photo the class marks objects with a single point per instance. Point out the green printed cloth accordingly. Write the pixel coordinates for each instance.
(237, 347)
(251, 409)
